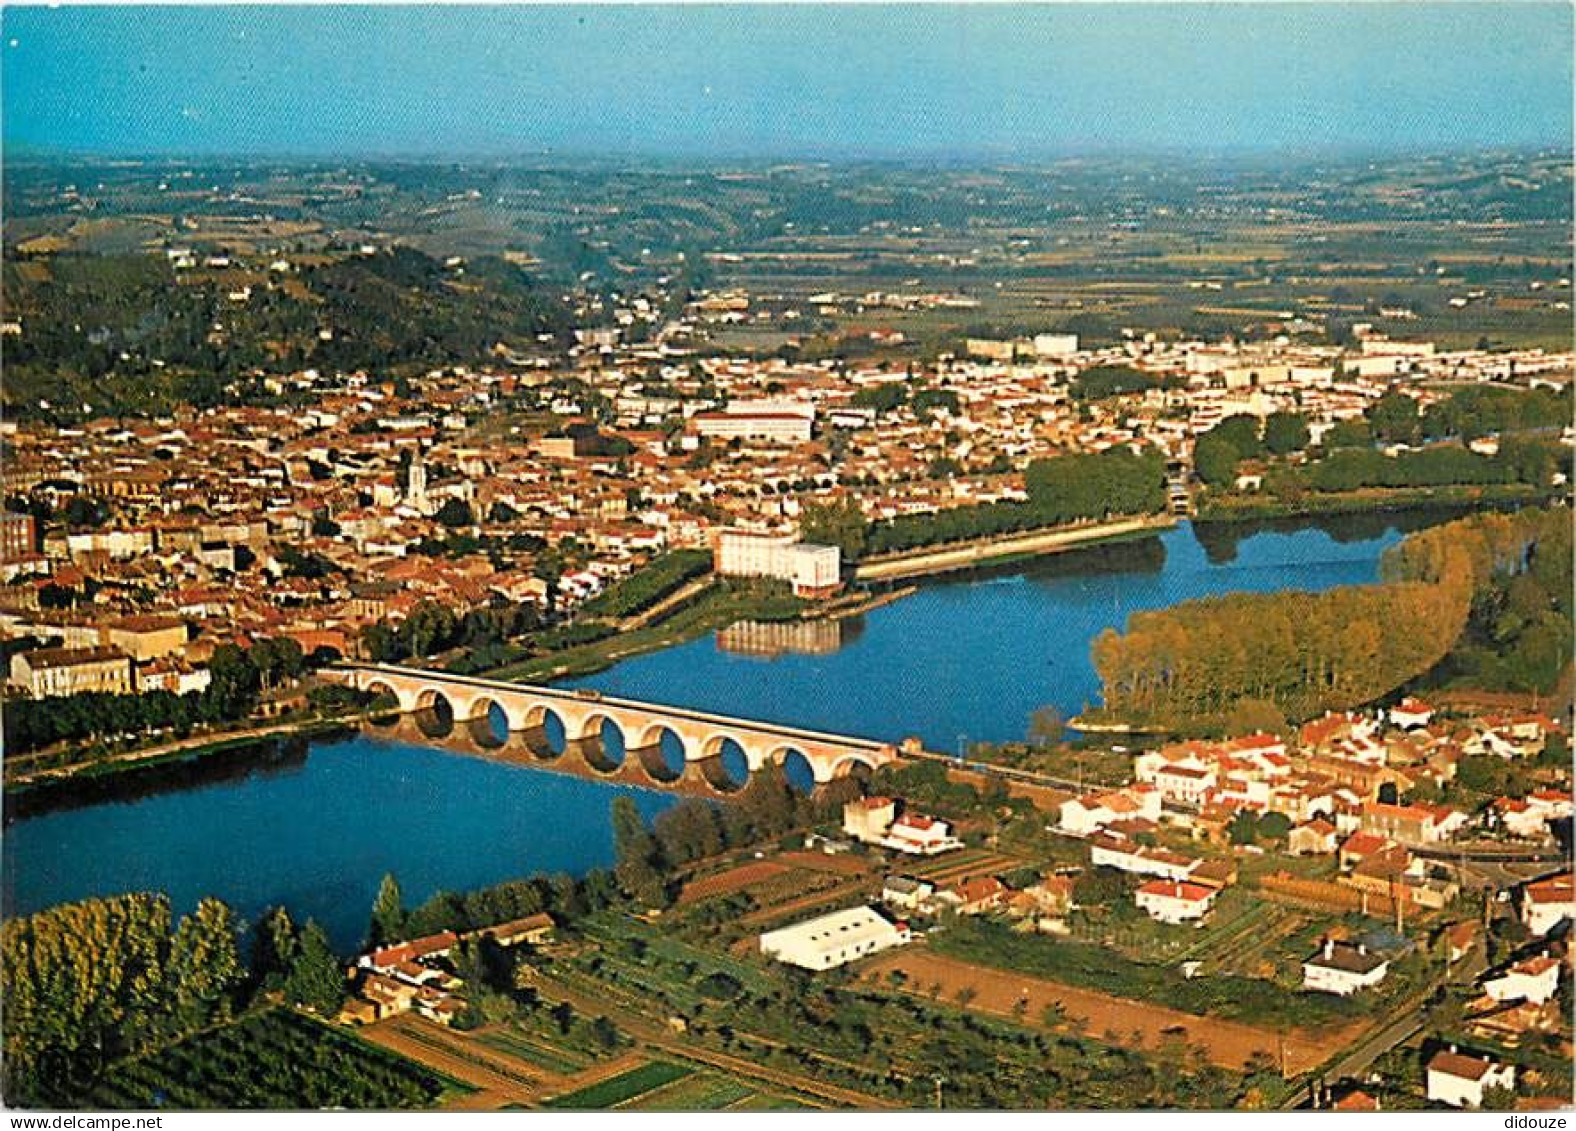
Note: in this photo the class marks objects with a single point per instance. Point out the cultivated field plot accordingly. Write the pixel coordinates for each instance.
(514, 1043)
(661, 1086)
(621, 1089)
(272, 1060)
(1120, 1021)
(821, 862)
(1239, 937)
(1270, 942)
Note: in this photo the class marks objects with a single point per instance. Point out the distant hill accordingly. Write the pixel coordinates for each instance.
(135, 333)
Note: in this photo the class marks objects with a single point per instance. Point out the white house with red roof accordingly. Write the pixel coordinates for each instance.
(1107, 851)
(974, 895)
(920, 835)
(1551, 804)
(875, 820)
(1411, 713)
(1182, 774)
(1082, 816)
(1545, 903)
(1520, 818)
(1460, 1080)
(389, 959)
(1532, 979)
(1175, 901)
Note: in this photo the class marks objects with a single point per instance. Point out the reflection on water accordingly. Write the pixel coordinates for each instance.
(970, 656)
(315, 828)
(769, 639)
(260, 759)
(1222, 539)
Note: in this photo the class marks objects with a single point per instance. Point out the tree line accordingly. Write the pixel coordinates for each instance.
(1345, 458)
(1294, 655)
(238, 676)
(89, 982)
(649, 857)
(93, 982)
(1065, 489)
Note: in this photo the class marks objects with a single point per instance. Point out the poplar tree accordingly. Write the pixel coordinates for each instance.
(388, 913)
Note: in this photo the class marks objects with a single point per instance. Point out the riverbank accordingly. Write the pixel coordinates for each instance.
(713, 607)
(1245, 507)
(184, 750)
(967, 555)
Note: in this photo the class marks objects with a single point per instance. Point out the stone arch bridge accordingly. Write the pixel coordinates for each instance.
(649, 733)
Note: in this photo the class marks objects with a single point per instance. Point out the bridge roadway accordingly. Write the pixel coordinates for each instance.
(584, 716)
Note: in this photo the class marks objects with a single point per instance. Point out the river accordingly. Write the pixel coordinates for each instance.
(964, 659)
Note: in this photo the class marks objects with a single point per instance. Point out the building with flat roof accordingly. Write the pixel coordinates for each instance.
(811, 570)
(832, 940)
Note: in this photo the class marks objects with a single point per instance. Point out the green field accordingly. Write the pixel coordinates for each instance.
(271, 1060)
(620, 1089)
(515, 1044)
(700, 1092)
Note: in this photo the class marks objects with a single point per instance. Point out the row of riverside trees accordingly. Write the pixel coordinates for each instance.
(239, 676)
(91, 981)
(1069, 488)
(767, 806)
(434, 627)
(1346, 458)
(1202, 663)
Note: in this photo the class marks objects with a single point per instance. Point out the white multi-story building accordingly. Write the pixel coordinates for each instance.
(773, 427)
(48, 672)
(832, 940)
(1055, 345)
(810, 569)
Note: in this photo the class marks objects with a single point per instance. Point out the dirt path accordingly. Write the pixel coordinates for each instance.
(672, 601)
(1228, 1044)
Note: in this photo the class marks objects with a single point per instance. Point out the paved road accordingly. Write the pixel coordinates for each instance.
(1411, 1019)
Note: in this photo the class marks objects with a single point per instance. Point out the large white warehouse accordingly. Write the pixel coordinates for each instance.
(831, 940)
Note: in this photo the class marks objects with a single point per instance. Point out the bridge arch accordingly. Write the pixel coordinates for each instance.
(434, 712)
(602, 742)
(725, 762)
(488, 722)
(797, 767)
(543, 730)
(851, 765)
(661, 752)
(389, 715)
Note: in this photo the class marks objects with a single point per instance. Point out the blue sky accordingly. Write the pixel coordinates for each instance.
(852, 81)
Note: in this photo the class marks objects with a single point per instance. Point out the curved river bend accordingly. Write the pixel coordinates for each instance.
(964, 659)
